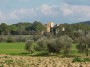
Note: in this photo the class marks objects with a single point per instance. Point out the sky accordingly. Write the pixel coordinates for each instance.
(57, 11)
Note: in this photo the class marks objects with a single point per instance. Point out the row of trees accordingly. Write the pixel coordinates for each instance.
(37, 28)
(21, 28)
(53, 45)
(59, 45)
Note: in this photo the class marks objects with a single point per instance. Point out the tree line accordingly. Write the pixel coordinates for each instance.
(36, 27)
(21, 28)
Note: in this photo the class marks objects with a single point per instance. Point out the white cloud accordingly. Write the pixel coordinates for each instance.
(45, 9)
(13, 15)
(48, 10)
(27, 11)
(72, 12)
(78, 12)
(17, 14)
(66, 9)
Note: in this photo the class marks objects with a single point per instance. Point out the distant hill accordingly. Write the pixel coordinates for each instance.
(85, 22)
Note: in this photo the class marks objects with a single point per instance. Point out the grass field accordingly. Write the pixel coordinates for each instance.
(19, 49)
(12, 48)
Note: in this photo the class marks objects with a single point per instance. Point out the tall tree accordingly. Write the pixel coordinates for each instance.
(4, 28)
(38, 27)
(84, 43)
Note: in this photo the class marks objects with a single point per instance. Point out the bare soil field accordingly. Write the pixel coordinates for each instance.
(29, 61)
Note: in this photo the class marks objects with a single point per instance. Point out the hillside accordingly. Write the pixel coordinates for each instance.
(85, 22)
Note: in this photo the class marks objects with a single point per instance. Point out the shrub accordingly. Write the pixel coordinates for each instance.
(48, 35)
(53, 46)
(80, 47)
(9, 40)
(2, 40)
(63, 43)
(77, 59)
(42, 53)
(29, 46)
(66, 43)
(87, 59)
(36, 37)
(20, 40)
(41, 44)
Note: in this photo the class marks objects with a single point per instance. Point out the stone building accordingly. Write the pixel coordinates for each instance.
(49, 25)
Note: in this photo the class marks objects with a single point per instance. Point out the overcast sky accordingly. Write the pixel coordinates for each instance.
(58, 11)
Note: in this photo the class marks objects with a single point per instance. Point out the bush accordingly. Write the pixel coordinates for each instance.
(42, 53)
(10, 40)
(77, 59)
(66, 43)
(20, 40)
(60, 44)
(80, 47)
(36, 37)
(2, 40)
(87, 59)
(29, 46)
(41, 44)
(53, 46)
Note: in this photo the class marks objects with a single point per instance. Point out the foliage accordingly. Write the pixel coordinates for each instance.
(4, 28)
(77, 59)
(36, 37)
(48, 35)
(42, 44)
(52, 46)
(9, 40)
(37, 27)
(66, 43)
(81, 47)
(29, 46)
(63, 43)
(83, 43)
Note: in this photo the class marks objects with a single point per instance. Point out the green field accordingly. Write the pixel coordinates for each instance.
(12, 48)
(19, 49)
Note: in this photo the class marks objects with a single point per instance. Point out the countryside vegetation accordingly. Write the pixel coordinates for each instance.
(27, 44)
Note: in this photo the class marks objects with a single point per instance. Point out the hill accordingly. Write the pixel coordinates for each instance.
(85, 22)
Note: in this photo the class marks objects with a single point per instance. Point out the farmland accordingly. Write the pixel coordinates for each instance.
(12, 48)
(11, 55)
(18, 48)
(29, 61)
